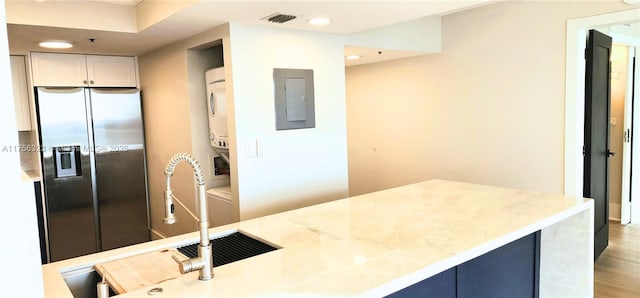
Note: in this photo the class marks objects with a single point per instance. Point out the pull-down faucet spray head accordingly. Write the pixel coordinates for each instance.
(169, 208)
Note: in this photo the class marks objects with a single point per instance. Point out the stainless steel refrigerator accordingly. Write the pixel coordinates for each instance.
(94, 171)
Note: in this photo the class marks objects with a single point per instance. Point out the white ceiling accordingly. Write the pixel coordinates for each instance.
(347, 17)
(120, 2)
(632, 30)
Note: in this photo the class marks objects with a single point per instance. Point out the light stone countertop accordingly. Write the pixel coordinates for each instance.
(368, 245)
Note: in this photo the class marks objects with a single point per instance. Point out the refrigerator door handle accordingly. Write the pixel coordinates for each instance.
(92, 161)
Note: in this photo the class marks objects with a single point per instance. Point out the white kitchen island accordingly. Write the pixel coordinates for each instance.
(379, 243)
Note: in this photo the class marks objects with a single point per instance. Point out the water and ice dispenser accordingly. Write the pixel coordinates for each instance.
(67, 161)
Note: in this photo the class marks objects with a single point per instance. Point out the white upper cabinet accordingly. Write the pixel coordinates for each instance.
(111, 71)
(20, 93)
(59, 70)
(73, 70)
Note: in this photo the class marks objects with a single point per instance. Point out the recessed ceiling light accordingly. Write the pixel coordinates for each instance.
(55, 44)
(319, 21)
(352, 57)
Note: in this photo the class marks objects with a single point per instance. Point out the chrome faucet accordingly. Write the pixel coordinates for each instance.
(204, 261)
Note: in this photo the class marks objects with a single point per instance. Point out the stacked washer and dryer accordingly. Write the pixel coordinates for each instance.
(219, 197)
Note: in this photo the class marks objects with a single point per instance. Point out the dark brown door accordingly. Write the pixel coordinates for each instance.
(596, 134)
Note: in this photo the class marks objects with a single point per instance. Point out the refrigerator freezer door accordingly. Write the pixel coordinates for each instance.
(120, 166)
(69, 199)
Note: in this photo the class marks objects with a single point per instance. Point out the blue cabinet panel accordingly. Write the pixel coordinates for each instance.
(508, 271)
(442, 285)
(512, 270)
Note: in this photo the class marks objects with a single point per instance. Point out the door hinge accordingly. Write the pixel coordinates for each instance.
(627, 135)
(584, 152)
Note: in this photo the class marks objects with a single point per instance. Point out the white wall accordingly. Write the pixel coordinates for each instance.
(296, 167)
(419, 35)
(20, 256)
(489, 109)
(391, 125)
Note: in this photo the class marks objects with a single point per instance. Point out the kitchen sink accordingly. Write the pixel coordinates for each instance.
(226, 249)
(230, 248)
(83, 282)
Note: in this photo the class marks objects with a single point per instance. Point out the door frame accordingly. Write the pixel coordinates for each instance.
(630, 107)
(577, 30)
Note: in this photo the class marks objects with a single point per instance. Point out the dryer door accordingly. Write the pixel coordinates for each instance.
(217, 110)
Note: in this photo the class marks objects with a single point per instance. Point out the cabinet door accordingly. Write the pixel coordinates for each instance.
(111, 71)
(441, 285)
(58, 70)
(20, 93)
(508, 271)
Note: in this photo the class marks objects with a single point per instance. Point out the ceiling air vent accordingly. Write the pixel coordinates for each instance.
(279, 18)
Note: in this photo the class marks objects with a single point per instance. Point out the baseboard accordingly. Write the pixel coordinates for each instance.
(615, 211)
(155, 235)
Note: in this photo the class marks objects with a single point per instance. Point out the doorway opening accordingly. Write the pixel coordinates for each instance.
(575, 105)
(626, 41)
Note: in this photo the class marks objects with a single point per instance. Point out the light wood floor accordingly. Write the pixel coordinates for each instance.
(617, 270)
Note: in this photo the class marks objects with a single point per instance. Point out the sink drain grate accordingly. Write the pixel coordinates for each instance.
(230, 248)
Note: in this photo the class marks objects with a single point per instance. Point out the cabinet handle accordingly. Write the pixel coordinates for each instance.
(91, 82)
(84, 82)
